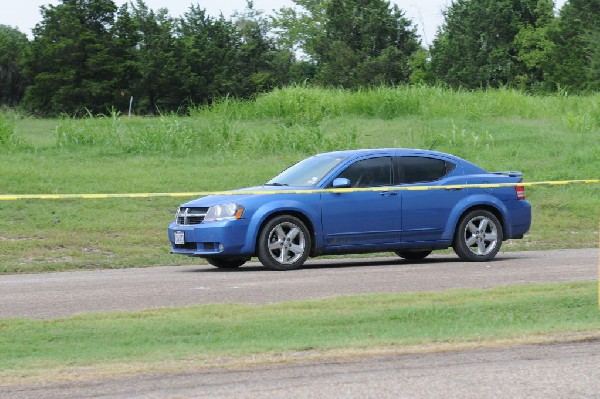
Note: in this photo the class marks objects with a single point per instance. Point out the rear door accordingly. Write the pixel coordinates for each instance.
(425, 213)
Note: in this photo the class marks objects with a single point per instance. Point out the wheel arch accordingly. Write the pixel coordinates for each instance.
(288, 212)
(478, 201)
(486, 207)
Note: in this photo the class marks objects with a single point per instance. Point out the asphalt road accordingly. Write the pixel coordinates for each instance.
(67, 293)
(565, 370)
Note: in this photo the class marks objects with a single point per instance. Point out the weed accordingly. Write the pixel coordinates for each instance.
(8, 138)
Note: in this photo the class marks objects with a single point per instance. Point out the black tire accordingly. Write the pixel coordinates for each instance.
(478, 236)
(227, 263)
(413, 255)
(283, 243)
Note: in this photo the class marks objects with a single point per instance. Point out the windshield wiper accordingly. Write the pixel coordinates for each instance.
(276, 184)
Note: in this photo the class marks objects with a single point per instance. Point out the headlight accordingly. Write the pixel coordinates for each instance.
(224, 212)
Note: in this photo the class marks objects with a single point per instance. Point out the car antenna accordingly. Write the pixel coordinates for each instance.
(433, 144)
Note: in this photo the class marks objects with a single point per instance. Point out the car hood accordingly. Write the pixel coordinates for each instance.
(240, 195)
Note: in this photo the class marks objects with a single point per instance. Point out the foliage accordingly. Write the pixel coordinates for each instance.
(353, 42)
(535, 49)
(575, 59)
(476, 45)
(260, 65)
(13, 45)
(91, 56)
(158, 86)
(70, 63)
(7, 131)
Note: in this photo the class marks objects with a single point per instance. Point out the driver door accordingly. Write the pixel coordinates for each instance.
(367, 217)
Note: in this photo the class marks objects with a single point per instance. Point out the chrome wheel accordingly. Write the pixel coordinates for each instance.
(481, 235)
(284, 243)
(478, 236)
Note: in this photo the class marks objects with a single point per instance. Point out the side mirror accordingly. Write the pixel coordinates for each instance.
(341, 182)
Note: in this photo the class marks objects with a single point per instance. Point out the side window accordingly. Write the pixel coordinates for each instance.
(422, 169)
(371, 172)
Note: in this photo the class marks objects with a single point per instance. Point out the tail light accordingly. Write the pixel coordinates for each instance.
(520, 191)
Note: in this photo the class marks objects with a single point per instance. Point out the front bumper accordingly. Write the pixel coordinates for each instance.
(211, 239)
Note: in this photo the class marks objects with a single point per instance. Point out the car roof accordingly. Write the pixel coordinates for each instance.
(469, 167)
(398, 151)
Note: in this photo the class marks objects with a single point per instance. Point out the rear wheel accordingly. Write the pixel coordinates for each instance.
(283, 243)
(413, 255)
(478, 236)
(227, 263)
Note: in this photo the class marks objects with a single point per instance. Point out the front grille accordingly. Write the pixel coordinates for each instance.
(187, 245)
(191, 215)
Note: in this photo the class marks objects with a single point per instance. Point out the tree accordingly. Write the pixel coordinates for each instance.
(576, 37)
(300, 29)
(535, 48)
(125, 49)
(70, 63)
(593, 69)
(261, 64)
(13, 45)
(475, 46)
(230, 57)
(353, 42)
(159, 85)
(209, 48)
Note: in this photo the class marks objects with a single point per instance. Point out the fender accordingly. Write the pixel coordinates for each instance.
(307, 205)
(473, 201)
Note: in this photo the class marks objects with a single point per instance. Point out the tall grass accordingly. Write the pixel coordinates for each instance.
(206, 133)
(306, 105)
(91, 130)
(8, 138)
(299, 119)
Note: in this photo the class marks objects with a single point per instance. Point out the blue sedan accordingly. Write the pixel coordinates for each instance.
(406, 201)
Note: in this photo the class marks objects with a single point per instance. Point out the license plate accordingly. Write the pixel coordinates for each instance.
(179, 238)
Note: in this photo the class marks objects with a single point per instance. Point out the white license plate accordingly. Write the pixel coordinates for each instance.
(179, 238)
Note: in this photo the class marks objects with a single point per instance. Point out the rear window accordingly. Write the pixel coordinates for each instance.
(423, 169)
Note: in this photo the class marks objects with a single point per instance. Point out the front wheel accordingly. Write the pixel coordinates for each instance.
(227, 263)
(283, 243)
(478, 236)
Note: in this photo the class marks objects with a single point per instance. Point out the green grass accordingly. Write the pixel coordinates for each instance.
(240, 143)
(29, 347)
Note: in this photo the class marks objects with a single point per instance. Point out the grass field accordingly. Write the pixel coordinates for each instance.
(152, 340)
(234, 144)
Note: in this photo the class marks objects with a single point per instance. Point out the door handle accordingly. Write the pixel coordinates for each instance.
(388, 193)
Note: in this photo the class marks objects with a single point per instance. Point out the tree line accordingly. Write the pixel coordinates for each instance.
(92, 56)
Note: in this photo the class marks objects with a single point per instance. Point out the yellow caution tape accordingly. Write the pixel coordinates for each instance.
(329, 190)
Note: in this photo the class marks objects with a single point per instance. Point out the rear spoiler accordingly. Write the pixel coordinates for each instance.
(509, 173)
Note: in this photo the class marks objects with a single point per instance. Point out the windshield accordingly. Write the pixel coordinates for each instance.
(307, 172)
